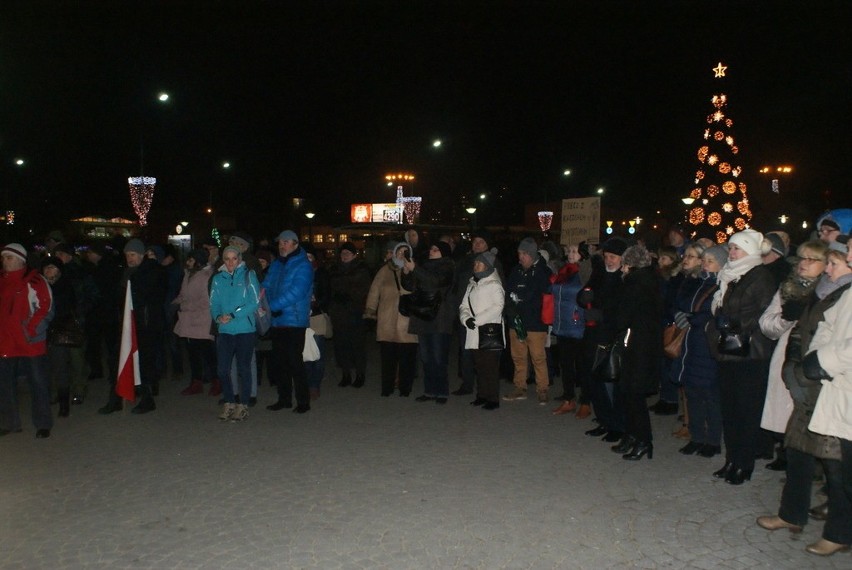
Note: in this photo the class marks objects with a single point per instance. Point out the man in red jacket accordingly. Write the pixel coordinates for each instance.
(25, 306)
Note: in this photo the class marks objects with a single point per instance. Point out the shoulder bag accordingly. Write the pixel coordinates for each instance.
(490, 334)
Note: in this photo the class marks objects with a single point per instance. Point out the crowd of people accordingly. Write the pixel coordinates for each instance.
(749, 346)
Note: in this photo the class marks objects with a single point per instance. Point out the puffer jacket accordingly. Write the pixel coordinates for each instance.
(569, 319)
(236, 294)
(696, 366)
(289, 286)
(25, 312)
(483, 302)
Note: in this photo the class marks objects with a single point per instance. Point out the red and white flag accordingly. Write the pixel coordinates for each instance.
(128, 356)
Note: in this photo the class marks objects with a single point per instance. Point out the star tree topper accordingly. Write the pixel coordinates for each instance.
(720, 70)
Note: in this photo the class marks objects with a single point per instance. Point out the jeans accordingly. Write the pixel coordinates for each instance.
(668, 389)
(796, 496)
(315, 370)
(705, 418)
(287, 367)
(241, 347)
(435, 355)
(235, 378)
(35, 370)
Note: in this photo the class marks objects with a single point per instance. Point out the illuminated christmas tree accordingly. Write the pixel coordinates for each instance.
(721, 202)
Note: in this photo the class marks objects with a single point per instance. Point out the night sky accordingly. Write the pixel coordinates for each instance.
(321, 101)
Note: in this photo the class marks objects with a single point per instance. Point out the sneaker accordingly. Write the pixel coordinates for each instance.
(227, 411)
(517, 394)
(240, 413)
(543, 398)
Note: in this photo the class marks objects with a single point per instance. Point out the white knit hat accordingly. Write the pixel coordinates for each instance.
(16, 249)
(751, 242)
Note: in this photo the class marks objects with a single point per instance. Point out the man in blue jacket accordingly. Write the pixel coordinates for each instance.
(289, 285)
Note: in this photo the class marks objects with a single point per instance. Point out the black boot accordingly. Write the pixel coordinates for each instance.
(624, 446)
(359, 381)
(723, 472)
(640, 448)
(113, 405)
(346, 380)
(64, 402)
(146, 403)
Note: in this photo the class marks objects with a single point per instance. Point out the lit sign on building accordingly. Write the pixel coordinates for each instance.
(377, 213)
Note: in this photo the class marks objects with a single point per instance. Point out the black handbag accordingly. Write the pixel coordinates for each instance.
(421, 304)
(733, 343)
(490, 334)
(606, 366)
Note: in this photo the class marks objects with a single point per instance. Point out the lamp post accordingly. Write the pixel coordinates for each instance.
(472, 211)
(310, 216)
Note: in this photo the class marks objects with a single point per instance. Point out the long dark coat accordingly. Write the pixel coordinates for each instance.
(640, 309)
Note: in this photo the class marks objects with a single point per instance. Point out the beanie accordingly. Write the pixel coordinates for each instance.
(777, 244)
(487, 258)
(54, 261)
(350, 247)
(636, 257)
(287, 235)
(233, 248)
(201, 256)
(445, 248)
(528, 246)
(135, 245)
(717, 252)
(483, 234)
(751, 242)
(615, 246)
(16, 249)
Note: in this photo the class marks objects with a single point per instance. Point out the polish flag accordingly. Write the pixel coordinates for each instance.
(128, 356)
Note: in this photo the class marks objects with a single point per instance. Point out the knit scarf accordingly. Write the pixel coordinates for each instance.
(731, 273)
(826, 286)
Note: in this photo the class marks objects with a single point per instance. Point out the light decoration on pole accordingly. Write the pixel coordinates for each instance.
(141, 196)
(406, 206)
(545, 219)
(10, 217)
(724, 198)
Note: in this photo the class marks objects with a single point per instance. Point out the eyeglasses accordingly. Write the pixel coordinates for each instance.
(811, 260)
(827, 230)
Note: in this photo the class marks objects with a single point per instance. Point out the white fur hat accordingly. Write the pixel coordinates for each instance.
(751, 242)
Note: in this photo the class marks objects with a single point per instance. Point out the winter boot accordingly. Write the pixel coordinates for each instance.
(195, 387)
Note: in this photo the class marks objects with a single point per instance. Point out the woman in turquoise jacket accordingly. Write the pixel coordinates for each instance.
(234, 298)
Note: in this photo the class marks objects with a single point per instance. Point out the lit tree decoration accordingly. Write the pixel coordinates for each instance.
(215, 235)
(10, 217)
(717, 181)
(141, 196)
(545, 218)
(411, 206)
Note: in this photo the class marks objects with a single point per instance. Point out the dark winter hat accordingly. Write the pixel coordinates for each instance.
(487, 258)
(159, 252)
(98, 248)
(16, 249)
(777, 244)
(636, 257)
(287, 235)
(528, 246)
(264, 253)
(615, 245)
(54, 261)
(444, 247)
(717, 252)
(583, 248)
(350, 247)
(483, 234)
(200, 255)
(135, 245)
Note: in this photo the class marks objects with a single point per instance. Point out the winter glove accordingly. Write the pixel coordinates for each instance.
(792, 310)
(585, 297)
(470, 324)
(595, 315)
(681, 319)
(812, 369)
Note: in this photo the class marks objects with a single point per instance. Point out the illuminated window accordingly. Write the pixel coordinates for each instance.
(318, 238)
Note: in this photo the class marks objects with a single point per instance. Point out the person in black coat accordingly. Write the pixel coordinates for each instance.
(349, 281)
(639, 315)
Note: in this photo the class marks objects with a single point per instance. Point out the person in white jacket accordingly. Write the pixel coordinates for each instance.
(830, 360)
(482, 304)
(776, 323)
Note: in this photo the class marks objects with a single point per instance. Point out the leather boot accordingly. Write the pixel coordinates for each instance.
(64, 402)
(346, 380)
(640, 449)
(359, 381)
(113, 404)
(215, 387)
(195, 387)
(625, 445)
(146, 403)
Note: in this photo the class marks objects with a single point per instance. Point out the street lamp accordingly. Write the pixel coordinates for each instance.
(436, 143)
(163, 97)
(310, 216)
(600, 190)
(226, 165)
(19, 161)
(566, 173)
(472, 211)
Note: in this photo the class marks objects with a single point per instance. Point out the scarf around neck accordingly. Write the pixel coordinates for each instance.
(731, 273)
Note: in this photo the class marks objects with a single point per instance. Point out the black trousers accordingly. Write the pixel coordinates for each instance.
(401, 356)
(571, 368)
(287, 368)
(638, 419)
(487, 374)
(742, 387)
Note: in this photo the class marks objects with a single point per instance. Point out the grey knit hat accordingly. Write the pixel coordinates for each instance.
(528, 246)
(717, 252)
(136, 246)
